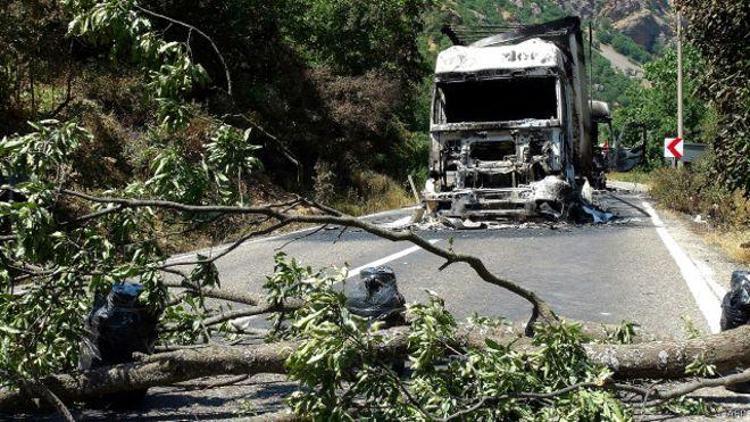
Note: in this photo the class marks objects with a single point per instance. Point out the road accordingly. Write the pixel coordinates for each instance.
(608, 273)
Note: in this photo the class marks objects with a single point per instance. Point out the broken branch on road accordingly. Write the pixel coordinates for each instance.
(541, 310)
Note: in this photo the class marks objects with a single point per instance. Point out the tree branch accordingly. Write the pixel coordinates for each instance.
(202, 34)
(490, 401)
(540, 308)
(221, 294)
(93, 215)
(158, 370)
(39, 389)
(234, 245)
(692, 386)
(258, 310)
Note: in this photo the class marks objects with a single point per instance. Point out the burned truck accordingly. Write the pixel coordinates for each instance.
(511, 124)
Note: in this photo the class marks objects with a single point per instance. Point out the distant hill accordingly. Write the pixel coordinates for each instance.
(647, 22)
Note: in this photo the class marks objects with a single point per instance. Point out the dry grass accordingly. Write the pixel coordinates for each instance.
(373, 192)
(176, 236)
(695, 193)
(635, 176)
(735, 244)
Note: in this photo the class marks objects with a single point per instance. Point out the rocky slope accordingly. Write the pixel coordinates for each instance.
(647, 22)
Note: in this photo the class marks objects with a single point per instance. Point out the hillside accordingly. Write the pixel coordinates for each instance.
(647, 22)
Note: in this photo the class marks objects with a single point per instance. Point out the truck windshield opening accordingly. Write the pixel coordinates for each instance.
(497, 100)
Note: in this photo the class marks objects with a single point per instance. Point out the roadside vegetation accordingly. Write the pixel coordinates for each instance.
(277, 75)
(722, 214)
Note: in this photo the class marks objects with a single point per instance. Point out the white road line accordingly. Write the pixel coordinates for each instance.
(355, 272)
(708, 275)
(705, 297)
(190, 256)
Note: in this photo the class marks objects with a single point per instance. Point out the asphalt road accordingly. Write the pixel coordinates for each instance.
(608, 273)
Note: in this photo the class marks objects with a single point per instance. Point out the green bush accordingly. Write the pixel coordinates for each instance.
(605, 36)
(625, 45)
(694, 191)
(676, 189)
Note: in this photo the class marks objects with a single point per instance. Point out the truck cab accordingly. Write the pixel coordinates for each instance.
(510, 124)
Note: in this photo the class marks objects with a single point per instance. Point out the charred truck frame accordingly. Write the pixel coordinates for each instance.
(511, 124)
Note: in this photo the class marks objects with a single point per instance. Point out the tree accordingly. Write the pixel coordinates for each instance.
(358, 37)
(654, 104)
(719, 29)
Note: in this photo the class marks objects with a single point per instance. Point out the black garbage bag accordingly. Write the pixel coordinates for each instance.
(118, 326)
(735, 312)
(736, 304)
(375, 296)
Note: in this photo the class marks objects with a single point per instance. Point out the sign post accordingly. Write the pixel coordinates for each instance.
(674, 148)
(680, 126)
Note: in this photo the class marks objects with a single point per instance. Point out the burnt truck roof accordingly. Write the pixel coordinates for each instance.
(508, 47)
(533, 53)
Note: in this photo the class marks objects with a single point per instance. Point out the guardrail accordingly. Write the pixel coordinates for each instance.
(692, 151)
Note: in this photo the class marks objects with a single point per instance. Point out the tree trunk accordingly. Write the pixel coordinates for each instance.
(158, 370)
(728, 350)
(655, 359)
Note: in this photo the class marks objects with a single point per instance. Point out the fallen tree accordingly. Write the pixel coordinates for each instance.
(659, 359)
(292, 294)
(653, 360)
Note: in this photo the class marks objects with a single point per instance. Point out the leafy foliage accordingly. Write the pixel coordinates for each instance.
(345, 376)
(70, 261)
(232, 154)
(354, 37)
(45, 151)
(624, 333)
(654, 105)
(719, 29)
(622, 43)
(171, 71)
